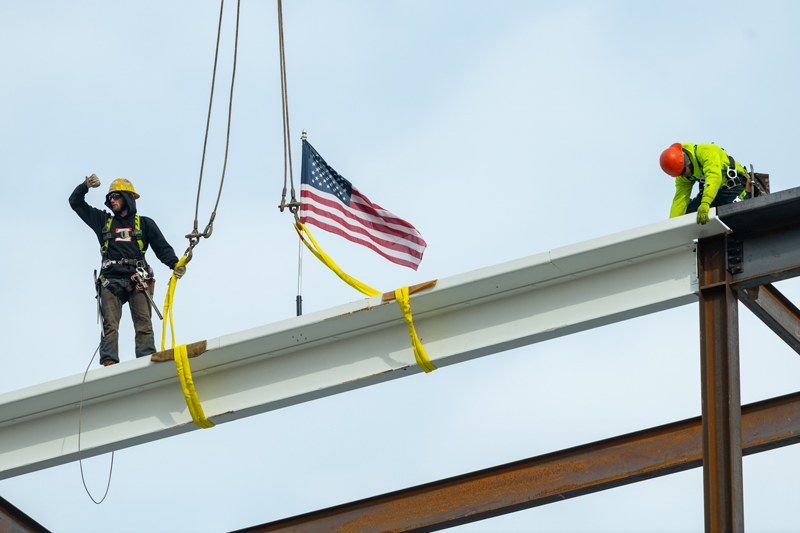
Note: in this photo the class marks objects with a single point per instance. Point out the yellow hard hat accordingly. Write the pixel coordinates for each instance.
(122, 185)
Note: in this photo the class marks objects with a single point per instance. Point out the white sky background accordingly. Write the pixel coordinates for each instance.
(498, 129)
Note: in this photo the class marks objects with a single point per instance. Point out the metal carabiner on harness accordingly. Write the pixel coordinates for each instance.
(733, 177)
(142, 272)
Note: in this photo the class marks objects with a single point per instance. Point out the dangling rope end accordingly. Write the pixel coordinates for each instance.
(283, 197)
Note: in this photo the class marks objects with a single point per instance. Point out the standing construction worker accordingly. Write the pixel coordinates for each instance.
(124, 238)
(722, 180)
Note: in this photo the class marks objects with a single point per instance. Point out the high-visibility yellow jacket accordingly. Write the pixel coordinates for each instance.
(709, 162)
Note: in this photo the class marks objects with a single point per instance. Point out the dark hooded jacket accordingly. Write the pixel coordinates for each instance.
(122, 248)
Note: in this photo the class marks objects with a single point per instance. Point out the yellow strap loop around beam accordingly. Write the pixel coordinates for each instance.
(401, 295)
(419, 351)
(189, 392)
(182, 359)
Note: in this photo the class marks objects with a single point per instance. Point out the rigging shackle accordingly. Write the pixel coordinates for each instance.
(194, 240)
(293, 205)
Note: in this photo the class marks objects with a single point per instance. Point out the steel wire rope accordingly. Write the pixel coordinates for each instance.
(287, 145)
(208, 119)
(80, 418)
(194, 237)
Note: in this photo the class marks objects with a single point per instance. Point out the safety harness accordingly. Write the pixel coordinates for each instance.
(124, 234)
(107, 235)
(732, 176)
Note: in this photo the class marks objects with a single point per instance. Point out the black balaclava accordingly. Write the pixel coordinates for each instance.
(130, 201)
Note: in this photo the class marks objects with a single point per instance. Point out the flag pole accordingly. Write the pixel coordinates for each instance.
(300, 263)
(300, 279)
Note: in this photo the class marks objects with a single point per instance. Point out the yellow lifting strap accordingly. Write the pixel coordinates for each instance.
(419, 351)
(328, 262)
(182, 359)
(401, 295)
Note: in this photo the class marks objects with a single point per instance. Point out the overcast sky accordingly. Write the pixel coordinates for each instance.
(499, 129)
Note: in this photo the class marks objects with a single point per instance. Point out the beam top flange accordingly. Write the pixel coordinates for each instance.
(770, 209)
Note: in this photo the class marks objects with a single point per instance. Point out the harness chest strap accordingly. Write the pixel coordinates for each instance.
(136, 234)
(732, 176)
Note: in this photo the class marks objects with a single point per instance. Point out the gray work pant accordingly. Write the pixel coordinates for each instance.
(112, 298)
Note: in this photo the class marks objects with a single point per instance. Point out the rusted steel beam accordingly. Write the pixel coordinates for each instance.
(719, 353)
(769, 254)
(12, 520)
(766, 236)
(760, 211)
(776, 311)
(548, 478)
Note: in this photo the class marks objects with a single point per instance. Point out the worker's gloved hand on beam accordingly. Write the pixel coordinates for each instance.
(93, 181)
(179, 272)
(702, 213)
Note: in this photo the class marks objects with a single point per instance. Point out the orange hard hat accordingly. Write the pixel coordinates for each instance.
(672, 160)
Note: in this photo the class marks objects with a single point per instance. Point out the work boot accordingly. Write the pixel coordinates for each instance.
(108, 362)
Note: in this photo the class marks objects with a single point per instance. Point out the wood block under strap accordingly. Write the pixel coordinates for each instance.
(389, 296)
(192, 350)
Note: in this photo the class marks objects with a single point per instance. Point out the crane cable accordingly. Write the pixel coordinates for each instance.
(293, 204)
(401, 294)
(195, 235)
(181, 360)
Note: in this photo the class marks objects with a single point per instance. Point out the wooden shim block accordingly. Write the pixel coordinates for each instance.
(192, 350)
(389, 296)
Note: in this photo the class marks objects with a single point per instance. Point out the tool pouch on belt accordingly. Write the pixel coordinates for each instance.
(151, 280)
(759, 182)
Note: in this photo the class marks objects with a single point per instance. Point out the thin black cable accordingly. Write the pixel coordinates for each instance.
(80, 416)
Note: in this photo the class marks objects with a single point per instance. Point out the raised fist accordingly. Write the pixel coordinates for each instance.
(93, 181)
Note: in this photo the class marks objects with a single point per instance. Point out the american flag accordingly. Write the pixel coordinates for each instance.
(332, 203)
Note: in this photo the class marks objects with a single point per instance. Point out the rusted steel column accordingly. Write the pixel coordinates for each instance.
(719, 353)
(548, 478)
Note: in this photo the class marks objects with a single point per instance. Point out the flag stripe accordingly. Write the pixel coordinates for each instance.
(333, 229)
(320, 214)
(332, 203)
(363, 204)
(369, 223)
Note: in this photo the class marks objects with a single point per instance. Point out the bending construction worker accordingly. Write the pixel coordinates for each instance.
(124, 238)
(722, 180)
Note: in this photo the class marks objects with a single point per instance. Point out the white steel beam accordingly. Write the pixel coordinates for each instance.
(529, 300)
